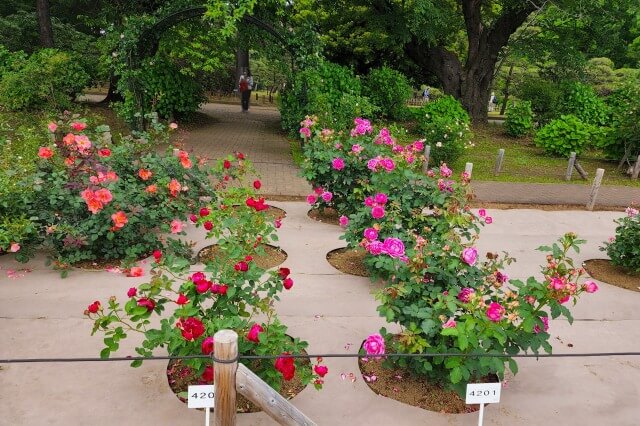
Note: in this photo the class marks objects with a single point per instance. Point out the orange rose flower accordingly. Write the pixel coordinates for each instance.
(174, 187)
(119, 219)
(145, 174)
(152, 189)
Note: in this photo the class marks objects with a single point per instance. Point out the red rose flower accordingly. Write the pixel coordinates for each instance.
(321, 370)
(147, 303)
(284, 272)
(198, 276)
(286, 367)
(132, 292)
(226, 164)
(248, 258)
(204, 212)
(222, 289)
(208, 225)
(45, 152)
(93, 308)
(104, 152)
(207, 345)
(182, 299)
(241, 266)
(193, 218)
(240, 156)
(157, 254)
(254, 334)
(191, 328)
(207, 376)
(257, 184)
(203, 286)
(78, 126)
(287, 283)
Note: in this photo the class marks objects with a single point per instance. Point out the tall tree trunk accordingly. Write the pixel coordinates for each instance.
(44, 23)
(505, 93)
(471, 83)
(112, 94)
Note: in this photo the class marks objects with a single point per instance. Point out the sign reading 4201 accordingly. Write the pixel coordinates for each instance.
(483, 393)
(201, 396)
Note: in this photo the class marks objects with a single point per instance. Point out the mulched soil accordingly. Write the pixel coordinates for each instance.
(275, 213)
(400, 385)
(325, 215)
(605, 271)
(181, 376)
(97, 265)
(272, 257)
(349, 261)
(544, 207)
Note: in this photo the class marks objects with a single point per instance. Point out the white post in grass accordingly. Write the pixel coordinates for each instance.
(594, 189)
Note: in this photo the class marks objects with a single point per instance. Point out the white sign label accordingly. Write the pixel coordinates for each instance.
(201, 396)
(483, 393)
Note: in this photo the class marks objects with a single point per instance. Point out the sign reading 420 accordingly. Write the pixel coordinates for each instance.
(201, 396)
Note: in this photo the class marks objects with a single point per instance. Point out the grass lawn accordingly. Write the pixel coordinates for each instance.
(524, 162)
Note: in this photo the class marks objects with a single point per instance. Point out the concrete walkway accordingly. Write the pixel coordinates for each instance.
(258, 134)
(41, 316)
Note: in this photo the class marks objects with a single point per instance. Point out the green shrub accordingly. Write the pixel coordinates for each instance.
(519, 120)
(624, 250)
(389, 90)
(545, 97)
(48, 79)
(444, 124)
(565, 135)
(583, 102)
(331, 92)
(624, 138)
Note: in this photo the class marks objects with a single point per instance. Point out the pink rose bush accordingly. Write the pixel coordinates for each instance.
(623, 248)
(191, 304)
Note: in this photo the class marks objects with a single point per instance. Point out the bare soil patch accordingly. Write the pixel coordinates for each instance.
(605, 271)
(349, 261)
(273, 256)
(325, 215)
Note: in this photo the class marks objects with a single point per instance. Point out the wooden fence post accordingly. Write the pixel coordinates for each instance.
(468, 169)
(572, 160)
(224, 377)
(275, 405)
(425, 165)
(499, 160)
(583, 174)
(594, 189)
(636, 169)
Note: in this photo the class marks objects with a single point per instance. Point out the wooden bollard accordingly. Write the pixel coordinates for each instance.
(427, 153)
(594, 189)
(468, 169)
(224, 377)
(636, 169)
(499, 160)
(572, 160)
(583, 174)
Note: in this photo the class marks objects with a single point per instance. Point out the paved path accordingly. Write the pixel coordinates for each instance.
(258, 135)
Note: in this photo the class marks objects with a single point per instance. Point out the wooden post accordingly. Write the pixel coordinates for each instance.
(275, 405)
(583, 174)
(425, 165)
(572, 160)
(468, 169)
(594, 189)
(224, 377)
(499, 160)
(636, 169)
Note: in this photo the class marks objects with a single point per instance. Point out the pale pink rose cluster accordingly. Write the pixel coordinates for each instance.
(483, 214)
(445, 171)
(470, 256)
(384, 137)
(344, 221)
(465, 294)
(305, 132)
(450, 323)
(374, 345)
(357, 148)
(393, 247)
(445, 185)
(631, 212)
(362, 127)
(381, 163)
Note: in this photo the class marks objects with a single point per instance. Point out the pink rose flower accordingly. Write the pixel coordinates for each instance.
(590, 287)
(545, 321)
(373, 164)
(380, 198)
(368, 202)
(394, 247)
(176, 226)
(311, 199)
(557, 283)
(52, 127)
(488, 220)
(482, 212)
(344, 221)
(387, 164)
(375, 247)
(14, 248)
(327, 196)
(173, 126)
(306, 132)
(337, 163)
(470, 255)
(445, 171)
(135, 271)
(495, 312)
(465, 294)
(132, 292)
(321, 370)
(357, 148)
(631, 212)
(254, 333)
(451, 323)
(374, 345)
(418, 146)
(370, 234)
(207, 345)
(377, 212)
(45, 152)
(78, 126)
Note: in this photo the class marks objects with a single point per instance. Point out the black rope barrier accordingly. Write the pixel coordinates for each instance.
(309, 356)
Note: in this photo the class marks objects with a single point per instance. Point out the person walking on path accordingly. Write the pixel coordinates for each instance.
(245, 85)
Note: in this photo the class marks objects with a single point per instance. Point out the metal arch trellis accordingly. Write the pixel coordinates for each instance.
(149, 41)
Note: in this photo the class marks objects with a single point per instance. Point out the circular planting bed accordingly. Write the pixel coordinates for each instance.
(605, 271)
(273, 256)
(274, 213)
(181, 376)
(325, 215)
(350, 261)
